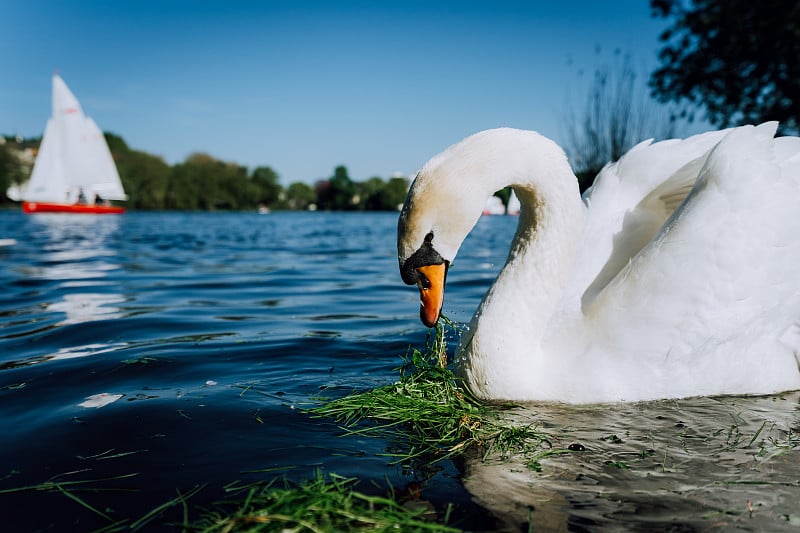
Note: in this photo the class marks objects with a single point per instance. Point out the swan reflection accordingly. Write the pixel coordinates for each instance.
(650, 466)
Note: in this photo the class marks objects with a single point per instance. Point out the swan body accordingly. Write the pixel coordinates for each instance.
(674, 276)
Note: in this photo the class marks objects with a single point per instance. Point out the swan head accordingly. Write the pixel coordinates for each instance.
(428, 270)
(430, 230)
(449, 193)
(427, 242)
(443, 204)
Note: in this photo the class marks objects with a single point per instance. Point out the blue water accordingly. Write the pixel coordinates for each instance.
(207, 335)
(211, 331)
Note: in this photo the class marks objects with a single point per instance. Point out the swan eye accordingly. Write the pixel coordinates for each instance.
(413, 266)
(423, 282)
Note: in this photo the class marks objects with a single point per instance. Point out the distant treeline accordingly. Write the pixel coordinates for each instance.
(203, 182)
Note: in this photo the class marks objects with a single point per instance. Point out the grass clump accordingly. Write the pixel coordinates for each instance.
(435, 413)
(318, 505)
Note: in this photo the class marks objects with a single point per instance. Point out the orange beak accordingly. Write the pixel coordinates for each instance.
(431, 292)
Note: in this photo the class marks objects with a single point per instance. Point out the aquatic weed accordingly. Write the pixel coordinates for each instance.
(436, 414)
(318, 505)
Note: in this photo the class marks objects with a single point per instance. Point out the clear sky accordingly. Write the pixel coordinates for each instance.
(378, 86)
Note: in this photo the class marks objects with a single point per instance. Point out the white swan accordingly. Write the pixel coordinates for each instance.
(675, 276)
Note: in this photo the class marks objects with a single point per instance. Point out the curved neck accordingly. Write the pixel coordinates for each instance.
(541, 258)
(539, 265)
(450, 192)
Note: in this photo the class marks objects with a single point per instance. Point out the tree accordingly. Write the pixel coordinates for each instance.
(737, 59)
(116, 144)
(617, 116)
(369, 192)
(300, 195)
(267, 183)
(236, 188)
(144, 177)
(337, 193)
(391, 196)
(203, 182)
(16, 162)
(8, 165)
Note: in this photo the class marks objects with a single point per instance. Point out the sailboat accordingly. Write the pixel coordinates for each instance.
(513, 206)
(494, 206)
(74, 171)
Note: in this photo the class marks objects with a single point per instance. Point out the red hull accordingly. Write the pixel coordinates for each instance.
(48, 207)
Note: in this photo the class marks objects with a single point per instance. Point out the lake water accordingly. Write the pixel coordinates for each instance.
(150, 353)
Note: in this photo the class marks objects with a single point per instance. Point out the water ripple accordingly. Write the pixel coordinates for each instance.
(160, 351)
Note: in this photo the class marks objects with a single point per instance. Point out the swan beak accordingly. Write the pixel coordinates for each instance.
(431, 292)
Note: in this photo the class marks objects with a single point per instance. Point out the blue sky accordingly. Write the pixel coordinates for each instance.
(378, 86)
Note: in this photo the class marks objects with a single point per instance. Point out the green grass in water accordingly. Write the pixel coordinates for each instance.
(319, 505)
(427, 406)
(323, 504)
(431, 408)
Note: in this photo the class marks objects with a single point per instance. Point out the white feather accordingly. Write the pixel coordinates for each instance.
(674, 277)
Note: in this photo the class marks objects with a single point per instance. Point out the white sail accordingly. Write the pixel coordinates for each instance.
(47, 183)
(73, 157)
(494, 206)
(513, 204)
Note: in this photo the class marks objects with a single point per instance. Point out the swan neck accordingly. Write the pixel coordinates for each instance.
(542, 252)
(520, 307)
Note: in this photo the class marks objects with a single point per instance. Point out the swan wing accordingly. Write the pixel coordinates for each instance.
(712, 300)
(630, 201)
